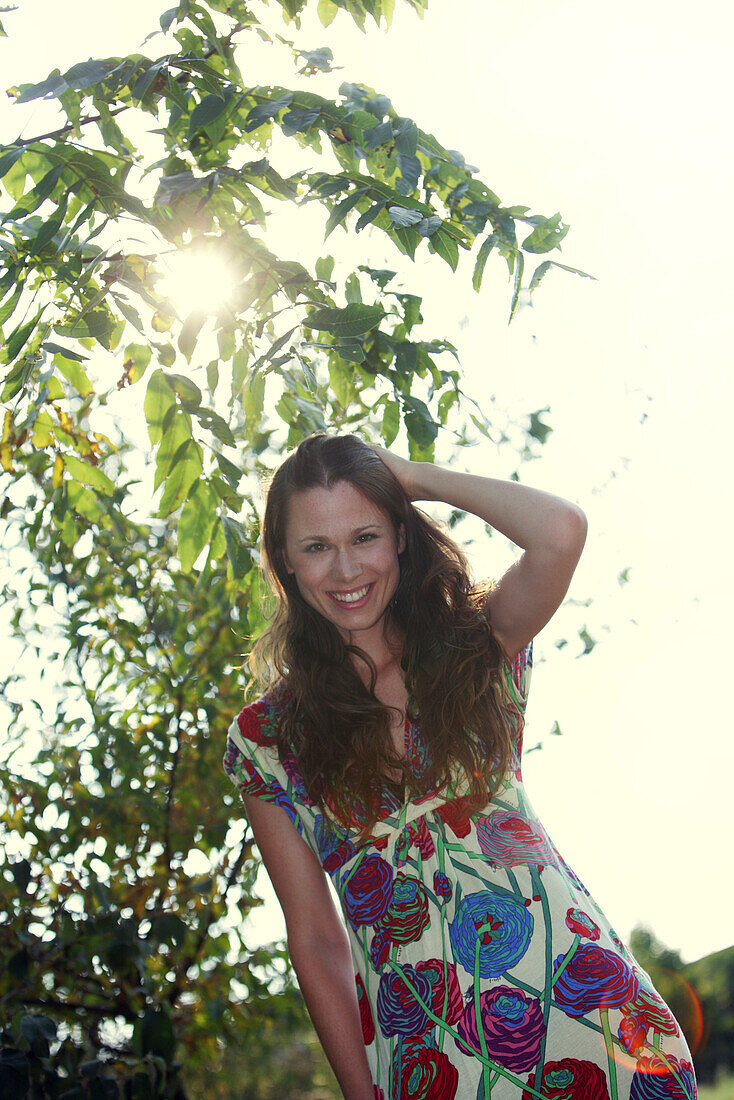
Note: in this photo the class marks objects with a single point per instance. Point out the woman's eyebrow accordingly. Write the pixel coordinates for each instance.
(356, 531)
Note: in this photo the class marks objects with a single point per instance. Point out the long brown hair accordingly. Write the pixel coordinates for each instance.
(336, 727)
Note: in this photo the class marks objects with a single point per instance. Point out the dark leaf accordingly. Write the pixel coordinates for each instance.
(402, 217)
(354, 320)
(263, 112)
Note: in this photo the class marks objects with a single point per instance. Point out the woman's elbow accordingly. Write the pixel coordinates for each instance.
(571, 532)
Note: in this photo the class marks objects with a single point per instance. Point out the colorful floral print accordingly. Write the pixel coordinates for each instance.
(484, 969)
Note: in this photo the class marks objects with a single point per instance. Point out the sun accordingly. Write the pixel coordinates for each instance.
(197, 280)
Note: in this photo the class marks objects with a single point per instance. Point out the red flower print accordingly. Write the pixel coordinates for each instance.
(407, 915)
(426, 1074)
(652, 1011)
(455, 816)
(582, 924)
(570, 1079)
(365, 1012)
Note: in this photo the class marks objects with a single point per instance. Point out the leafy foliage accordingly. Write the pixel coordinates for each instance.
(174, 152)
(123, 906)
(124, 971)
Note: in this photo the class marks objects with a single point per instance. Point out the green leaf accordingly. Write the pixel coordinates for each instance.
(482, 255)
(341, 380)
(74, 373)
(185, 472)
(19, 338)
(7, 310)
(238, 550)
(205, 112)
(390, 422)
(159, 398)
(50, 228)
(51, 86)
(327, 10)
(402, 217)
(546, 236)
(369, 215)
(324, 267)
(196, 523)
(136, 360)
(539, 273)
(420, 424)
(518, 283)
(89, 475)
(377, 135)
(189, 333)
(84, 501)
(186, 389)
(68, 353)
(7, 160)
(406, 136)
(171, 447)
(354, 320)
(539, 430)
(37, 195)
(263, 112)
(340, 211)
(298, 121)
(444, 246)
(428, 226)
(232, 473)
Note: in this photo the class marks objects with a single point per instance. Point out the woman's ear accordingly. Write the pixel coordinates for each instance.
(284, 558)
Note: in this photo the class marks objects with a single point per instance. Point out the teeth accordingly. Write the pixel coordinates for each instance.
(353, 597)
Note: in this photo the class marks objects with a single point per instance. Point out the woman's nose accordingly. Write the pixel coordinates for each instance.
(346, 565)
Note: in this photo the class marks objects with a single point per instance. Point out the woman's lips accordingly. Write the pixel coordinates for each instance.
(353, 603)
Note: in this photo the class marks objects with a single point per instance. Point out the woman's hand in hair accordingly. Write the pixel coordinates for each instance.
(403, 469)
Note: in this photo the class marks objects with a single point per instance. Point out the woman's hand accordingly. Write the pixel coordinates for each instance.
(403, 469)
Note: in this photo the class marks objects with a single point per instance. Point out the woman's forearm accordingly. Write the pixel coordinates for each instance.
(327, 981)
(531, 518)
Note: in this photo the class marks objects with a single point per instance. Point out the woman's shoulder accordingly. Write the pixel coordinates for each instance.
(258, 720)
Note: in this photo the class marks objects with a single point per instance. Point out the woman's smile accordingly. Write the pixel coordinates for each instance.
(356, 597)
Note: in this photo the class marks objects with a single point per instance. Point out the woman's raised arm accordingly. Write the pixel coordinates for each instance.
(550, 530)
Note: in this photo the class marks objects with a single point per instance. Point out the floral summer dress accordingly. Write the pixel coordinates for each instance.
(484, 968)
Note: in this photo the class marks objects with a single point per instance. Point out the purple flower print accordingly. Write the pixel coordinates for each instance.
(512, 1023)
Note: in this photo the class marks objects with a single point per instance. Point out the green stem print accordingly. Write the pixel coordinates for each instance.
(478, 1007)
(604, 1014)
(546, 998)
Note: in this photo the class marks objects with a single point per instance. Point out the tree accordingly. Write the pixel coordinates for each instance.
(78, 284)
(700, 995)
(104, 927)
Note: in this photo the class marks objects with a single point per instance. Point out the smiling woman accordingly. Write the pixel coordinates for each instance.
(468, 954)
(197, 280)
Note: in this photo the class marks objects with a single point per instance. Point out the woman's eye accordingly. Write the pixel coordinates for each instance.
(366, 535)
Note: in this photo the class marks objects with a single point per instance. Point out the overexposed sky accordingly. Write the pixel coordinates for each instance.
(619, 118)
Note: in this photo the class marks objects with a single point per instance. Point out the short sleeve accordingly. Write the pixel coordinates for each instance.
(251, 760)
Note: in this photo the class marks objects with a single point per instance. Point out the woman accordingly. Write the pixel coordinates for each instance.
(471, 961)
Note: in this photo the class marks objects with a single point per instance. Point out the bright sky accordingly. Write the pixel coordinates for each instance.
(618, 117)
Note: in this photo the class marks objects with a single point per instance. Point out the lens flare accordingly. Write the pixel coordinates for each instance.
(199, 280)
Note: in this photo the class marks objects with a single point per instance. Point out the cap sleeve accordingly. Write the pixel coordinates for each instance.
(252, 763)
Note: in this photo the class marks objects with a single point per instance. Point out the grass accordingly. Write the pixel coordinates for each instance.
(723, 1089)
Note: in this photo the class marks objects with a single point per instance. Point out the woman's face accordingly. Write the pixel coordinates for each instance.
(340, 546)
